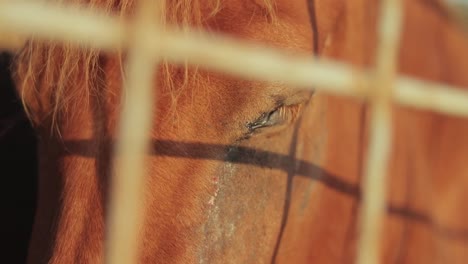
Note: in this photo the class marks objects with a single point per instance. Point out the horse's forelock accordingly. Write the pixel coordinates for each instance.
(52, 78)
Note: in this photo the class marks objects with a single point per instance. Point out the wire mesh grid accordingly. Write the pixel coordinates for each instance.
(150, 43)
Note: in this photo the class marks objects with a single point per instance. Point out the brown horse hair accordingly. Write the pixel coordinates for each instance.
(46, 73)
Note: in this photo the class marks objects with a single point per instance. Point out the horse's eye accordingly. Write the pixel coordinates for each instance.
(281, 115)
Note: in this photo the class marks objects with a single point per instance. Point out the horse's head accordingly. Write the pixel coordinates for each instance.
(240, 171)
(225, 152)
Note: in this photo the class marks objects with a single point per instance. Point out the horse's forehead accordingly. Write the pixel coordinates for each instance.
(294, 8)
(224, 99)
(245, 13)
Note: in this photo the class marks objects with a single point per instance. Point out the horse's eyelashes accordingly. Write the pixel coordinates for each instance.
(281, 115)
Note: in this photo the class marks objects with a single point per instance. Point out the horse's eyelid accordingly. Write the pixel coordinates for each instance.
(263, 120)
(259, 122)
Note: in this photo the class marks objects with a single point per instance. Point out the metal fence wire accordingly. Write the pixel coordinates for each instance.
(150, 43)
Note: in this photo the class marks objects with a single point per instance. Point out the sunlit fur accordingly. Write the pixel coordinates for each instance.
(48, 71)
(219, 190)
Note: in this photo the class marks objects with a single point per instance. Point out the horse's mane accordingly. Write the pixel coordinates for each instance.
(48, 74)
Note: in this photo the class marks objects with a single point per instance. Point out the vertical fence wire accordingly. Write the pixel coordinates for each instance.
(126, 213)
(380, 134)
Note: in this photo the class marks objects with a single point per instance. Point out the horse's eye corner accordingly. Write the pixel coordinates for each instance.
(268, 119)
(281, 117)
(262, 121)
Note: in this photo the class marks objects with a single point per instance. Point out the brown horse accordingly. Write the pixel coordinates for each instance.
(251, 172)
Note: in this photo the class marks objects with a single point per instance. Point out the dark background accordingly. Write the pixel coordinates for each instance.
(18, 171)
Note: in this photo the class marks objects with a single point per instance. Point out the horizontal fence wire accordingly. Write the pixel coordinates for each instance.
(220, 53)
(20, 20)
